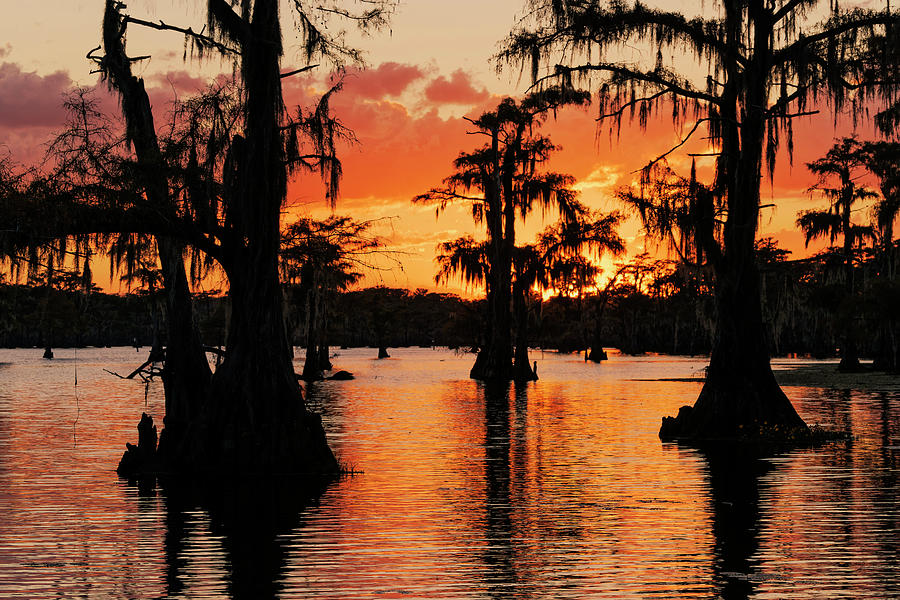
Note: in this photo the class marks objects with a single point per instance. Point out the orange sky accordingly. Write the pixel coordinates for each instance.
(429, 70)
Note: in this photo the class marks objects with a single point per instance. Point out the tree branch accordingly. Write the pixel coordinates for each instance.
(786, 10)
(796, 49)
(200, 38)
(649, 77)
(621, 110)
(673, 148)
(298, 71)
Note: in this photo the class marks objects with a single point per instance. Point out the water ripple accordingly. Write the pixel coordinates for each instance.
(557, 489)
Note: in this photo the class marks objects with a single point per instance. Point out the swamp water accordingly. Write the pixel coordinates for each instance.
(557, 489)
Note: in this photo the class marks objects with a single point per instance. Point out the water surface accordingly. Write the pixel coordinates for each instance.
(556, 489)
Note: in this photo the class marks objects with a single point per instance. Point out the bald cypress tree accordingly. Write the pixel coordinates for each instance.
(838, 172)
(502, 181)
(760, 65)
(233, 174)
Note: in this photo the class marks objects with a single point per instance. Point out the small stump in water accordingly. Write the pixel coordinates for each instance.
(342, 376)
(141, 458)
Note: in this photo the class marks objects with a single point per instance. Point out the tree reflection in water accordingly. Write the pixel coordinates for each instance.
(734, 478)
(252, 517)
(501, 575)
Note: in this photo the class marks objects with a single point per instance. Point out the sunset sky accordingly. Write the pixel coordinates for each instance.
(430, 69)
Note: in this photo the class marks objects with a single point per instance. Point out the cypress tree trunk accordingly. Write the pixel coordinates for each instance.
(494, 360)
(597, 353)
(312, 367)
(322, 340)
(740, 397)
(46, 327)
(849, 350)
(186, 373)
(324, 358)
(256, 419)
(522, 370)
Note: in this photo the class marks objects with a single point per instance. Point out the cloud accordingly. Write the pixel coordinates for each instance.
(29, 99)
(5, 50)
(604, 178)
(180, 81)
(458, 89)
(389, 79)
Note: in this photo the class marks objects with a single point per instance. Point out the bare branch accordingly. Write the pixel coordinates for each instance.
(200, 38)
(298, 71)
(787, 9)
(673, 148)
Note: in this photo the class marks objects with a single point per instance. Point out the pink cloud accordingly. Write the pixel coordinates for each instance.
(458, 89)
(29, 99)
(180, 82)
(388, 79)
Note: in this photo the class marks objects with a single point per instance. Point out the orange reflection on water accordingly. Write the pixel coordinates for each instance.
(557, 489)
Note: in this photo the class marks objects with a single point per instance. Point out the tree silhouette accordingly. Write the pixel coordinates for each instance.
(326, 257)
(502, 183)
(882, 159)
(550, 262)
(838, 171)
(186, 375)
(235, 150)
(561, 249)
(762, 64)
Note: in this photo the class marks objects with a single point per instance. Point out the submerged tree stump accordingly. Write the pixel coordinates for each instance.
(342, 376)
(597, 354)
(140, 459)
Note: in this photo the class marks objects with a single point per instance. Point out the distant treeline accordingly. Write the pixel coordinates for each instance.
(38, 316)
(650, 306)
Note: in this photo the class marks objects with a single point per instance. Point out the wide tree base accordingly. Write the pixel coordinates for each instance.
(597, 354)
(850, 365)
(525, 373)
(303, 451)
(488, 367)
(735, 409)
